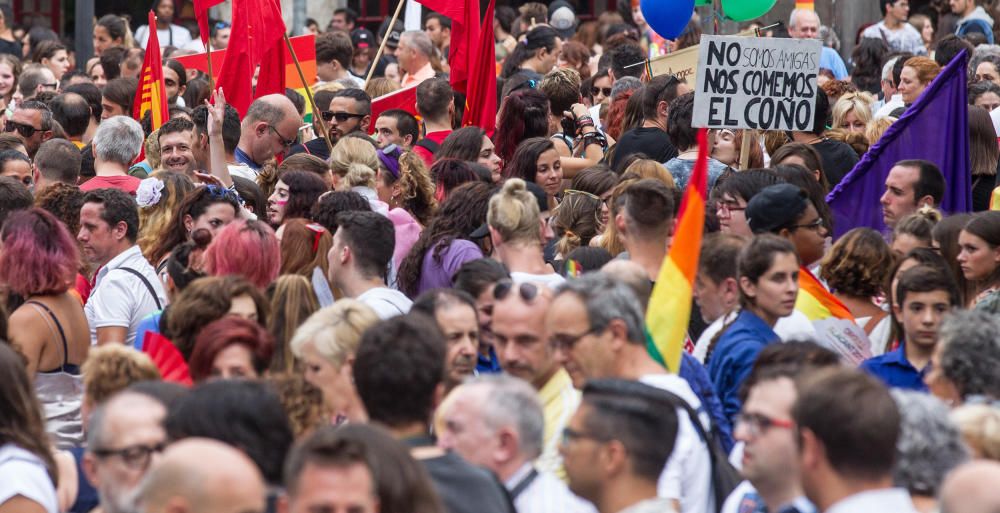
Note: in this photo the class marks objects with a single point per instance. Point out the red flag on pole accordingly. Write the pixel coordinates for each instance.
(151, 96)
(257, 30)
(481, 100)
(201, 13)
(464, 16)
(405, 99)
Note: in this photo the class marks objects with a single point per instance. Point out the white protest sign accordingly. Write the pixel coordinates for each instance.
(755, 82)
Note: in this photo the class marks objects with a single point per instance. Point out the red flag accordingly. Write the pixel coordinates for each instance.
(464, 16)
(257, 30)
(201, 13)
(481, 100)
(151, 96)
(405, 99)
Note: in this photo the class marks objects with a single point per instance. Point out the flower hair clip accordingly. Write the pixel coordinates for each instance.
(149, 193)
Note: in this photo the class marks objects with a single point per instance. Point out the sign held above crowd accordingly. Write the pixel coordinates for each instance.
(756, 83)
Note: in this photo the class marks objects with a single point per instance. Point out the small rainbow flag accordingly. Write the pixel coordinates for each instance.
(669, 308)
(808, 5)
(150, 96)
(573, 269)
(305, 50)
(835, 326)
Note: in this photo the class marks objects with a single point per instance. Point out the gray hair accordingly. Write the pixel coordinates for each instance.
(887, 68)
(929, 444)
(798, 12)
(625, 84)
(512, 400)
(118, 139)
(607, 299)
(970, 353)
(419, 40)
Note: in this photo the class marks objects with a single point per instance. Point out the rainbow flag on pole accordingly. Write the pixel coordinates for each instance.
(670, 304)
(150, 96)
(835, 326)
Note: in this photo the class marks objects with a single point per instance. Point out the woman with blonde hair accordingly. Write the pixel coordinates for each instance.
(158, 197)
(853, 112)
(519, 233)
(575, 221)
(326, 344)
(381, 86)
(351, 150)
(648, 168)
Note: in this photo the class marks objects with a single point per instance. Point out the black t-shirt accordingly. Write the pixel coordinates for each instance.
(838, 159)
(315, 147)
(11, 47)
(465, 488)
(652, 142)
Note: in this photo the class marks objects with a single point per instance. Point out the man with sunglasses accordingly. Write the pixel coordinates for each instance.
(596, 330)
(522, 348)
(32, 124)
(269, 128)
(616, 444)
(124, 436)
(350, 111)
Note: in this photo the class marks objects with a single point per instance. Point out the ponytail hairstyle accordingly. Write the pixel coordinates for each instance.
(524, 114)
(513, 213)
(754, 261)
(919, 225)
(576, 220)
(117, 28)
(538, 38)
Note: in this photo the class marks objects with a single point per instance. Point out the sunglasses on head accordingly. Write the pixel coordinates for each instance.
(24, 130)
(341, 116)
(527, 291)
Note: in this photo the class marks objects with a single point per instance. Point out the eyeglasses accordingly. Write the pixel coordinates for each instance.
(24, 130)
(758, 424)
(50, 86)
(606, 91)
(136, 457)
(528, 291)
(567, 342)
(569, 435)
(287, 143)
(342, 117)
(728, 207)
(815, 225)
(570, 192)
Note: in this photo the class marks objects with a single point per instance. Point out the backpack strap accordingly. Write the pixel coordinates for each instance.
(429, 145)
(149, 286)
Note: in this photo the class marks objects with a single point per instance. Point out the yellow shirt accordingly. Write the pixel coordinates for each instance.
(559, 402)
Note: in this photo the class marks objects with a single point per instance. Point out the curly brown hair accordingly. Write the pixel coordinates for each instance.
(111, 368)
(206, 300)
(63, 201)
(857, 264)
(303, 402)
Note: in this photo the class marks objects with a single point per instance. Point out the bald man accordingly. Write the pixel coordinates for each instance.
(198, 475)
(972, 488)
(270, 127)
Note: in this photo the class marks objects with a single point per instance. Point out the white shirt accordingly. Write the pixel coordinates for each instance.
(549, 280)
(120, 298)
(176, 36)
(896, 500)
(687, 476)
(795, 325)
(746, 491)
(894, 103)
(545, 494)
(243, 171)
(22, 473)
(386, 302)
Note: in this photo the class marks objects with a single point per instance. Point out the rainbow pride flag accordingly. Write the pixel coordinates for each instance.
(305, 50)
(835, 326)
(669, 309)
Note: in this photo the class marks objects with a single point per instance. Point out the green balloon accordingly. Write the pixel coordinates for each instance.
(745, 10)
(702, 2)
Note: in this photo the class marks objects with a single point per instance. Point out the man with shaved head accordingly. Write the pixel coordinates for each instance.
(198, 475)
(972, 488)
(270, 127)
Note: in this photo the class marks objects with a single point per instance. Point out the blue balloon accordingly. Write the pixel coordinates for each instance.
(668, 18)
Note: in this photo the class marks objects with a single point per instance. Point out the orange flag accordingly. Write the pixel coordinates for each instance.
(669, 309)
(150, 96)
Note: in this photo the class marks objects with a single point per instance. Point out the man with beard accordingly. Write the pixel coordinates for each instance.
(123, 438)
(176, 138)
(350, 111)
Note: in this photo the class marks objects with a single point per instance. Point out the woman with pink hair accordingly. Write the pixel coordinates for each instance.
(246, 248)
(38, 265)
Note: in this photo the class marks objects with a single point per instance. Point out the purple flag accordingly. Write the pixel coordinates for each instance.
(934, 128)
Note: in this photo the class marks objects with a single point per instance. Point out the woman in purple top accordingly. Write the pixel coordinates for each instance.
(442, 247)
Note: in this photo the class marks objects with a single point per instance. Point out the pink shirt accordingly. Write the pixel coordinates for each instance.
(422, 74)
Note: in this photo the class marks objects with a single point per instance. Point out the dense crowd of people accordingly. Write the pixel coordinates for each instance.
(318, 310)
